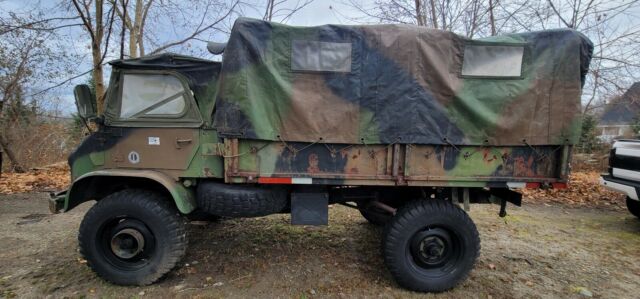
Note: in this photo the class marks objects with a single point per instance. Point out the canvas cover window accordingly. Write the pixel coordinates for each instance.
(317, 56)
(149, 94)
(492, 61)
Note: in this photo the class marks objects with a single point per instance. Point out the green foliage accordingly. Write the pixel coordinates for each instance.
(589, 141)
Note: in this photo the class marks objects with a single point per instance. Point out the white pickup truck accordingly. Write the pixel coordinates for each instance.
(624, 172)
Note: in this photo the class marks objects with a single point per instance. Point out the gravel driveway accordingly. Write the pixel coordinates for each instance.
(538, 251)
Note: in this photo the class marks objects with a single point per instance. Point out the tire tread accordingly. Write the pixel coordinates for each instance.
(401, 223)
(148, 200)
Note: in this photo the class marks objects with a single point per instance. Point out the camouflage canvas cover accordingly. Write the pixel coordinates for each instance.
(383, 84)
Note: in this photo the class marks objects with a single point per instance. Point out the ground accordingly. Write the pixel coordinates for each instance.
(538, 251)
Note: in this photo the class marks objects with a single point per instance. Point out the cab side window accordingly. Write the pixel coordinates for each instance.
(152, 95)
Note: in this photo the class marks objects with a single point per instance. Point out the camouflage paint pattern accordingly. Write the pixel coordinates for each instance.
(402, 116)
(404, 86)
(396, 164)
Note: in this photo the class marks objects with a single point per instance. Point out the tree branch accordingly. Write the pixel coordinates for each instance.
(198, 31)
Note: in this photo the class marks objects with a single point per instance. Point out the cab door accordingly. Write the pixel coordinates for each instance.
(157, 122)
(157, 148)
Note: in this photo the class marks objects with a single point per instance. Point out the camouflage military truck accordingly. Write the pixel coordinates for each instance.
(403, 123)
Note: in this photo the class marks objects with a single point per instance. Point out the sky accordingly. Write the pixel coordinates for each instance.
(316, 13)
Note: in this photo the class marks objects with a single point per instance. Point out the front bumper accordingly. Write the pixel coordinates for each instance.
(56, 201)
(630, 188)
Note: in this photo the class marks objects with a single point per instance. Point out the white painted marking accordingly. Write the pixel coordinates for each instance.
(134, 157)
(154, 140)
(516, 185)
(302, 181)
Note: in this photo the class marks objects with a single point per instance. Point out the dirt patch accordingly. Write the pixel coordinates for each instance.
(538, 251)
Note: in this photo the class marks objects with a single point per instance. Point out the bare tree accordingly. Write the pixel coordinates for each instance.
(140, 18)
(492, 19)
(467, 17)
(283, 10)
(205, 23)
(610, 24)
(96, 24)
(27, 59)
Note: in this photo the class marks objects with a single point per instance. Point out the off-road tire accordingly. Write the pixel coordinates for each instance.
(421, 217)
(373, 215)
(239, 201)
(633, 206)
(159, 218)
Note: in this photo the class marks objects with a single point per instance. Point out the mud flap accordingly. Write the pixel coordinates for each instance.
(309, 208)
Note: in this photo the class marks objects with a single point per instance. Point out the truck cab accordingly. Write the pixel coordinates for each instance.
(155, 128)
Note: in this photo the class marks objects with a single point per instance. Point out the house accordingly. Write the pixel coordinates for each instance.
(619, 115)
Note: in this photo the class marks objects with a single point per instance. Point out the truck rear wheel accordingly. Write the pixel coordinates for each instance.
(132, 237)
(633, 206)
(430, 245)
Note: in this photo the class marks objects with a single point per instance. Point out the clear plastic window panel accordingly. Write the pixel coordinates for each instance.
(492, 61)
(141, 92)
(320, 56)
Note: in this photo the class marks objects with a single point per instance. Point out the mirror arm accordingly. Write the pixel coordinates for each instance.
(98, 120)
(86, 125)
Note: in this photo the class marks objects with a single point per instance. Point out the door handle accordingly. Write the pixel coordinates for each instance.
(179, 142)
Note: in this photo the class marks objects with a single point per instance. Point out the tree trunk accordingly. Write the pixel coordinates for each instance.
(492, 19)
(99, 79)
(419, 13)
(97, 56)
(16, 165)
(434, 17)
(268, 14)
(134, 33)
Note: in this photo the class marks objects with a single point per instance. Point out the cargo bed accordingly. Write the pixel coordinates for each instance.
(267, 162)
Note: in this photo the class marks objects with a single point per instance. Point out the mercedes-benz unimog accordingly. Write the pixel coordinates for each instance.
(404, 123)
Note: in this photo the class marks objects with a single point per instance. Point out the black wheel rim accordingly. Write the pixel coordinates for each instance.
(126, 243)
(435, 251)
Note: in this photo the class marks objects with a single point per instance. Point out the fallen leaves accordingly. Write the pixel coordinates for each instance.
(49, 178)
(584, 190)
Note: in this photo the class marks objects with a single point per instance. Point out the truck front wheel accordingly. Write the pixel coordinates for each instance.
(430, 245)
(132, 237)
(633, 206)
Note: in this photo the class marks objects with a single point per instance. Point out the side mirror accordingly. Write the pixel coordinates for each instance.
(84, 101)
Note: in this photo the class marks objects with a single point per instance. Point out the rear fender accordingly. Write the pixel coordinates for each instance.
(97, 184)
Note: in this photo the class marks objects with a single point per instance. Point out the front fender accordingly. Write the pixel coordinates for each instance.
(96, 184)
